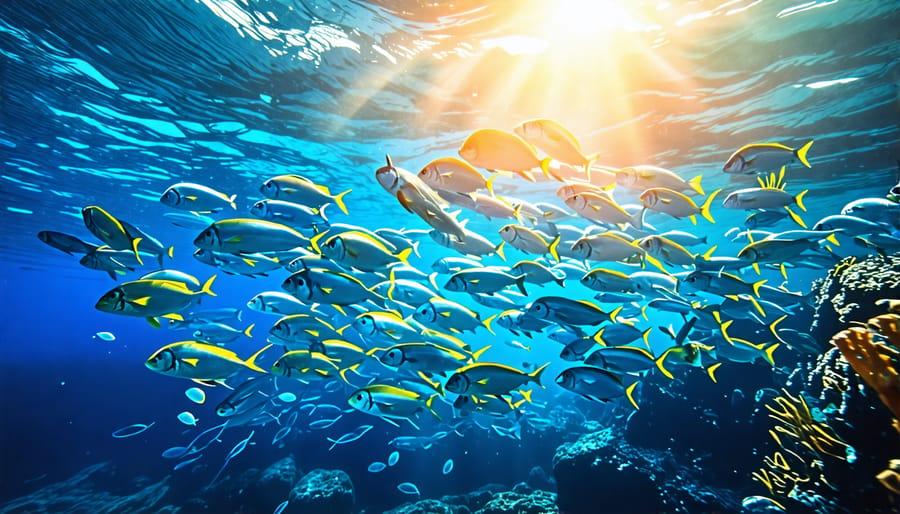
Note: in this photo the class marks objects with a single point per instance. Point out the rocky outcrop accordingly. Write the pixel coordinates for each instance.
(322, 491)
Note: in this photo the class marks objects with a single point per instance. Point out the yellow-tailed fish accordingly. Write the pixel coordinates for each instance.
(200, 361)
(497, 150)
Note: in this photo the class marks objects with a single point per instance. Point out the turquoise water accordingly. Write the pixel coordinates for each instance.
(109, 105)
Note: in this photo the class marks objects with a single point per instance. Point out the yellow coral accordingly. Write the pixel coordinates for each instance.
(875, 362)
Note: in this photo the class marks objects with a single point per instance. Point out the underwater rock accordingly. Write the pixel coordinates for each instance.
(538, 502)
(602, 468)
(539, 479)
(95, 489)
(425, 507)
(273, 484)
(849, 291)
(322, 491)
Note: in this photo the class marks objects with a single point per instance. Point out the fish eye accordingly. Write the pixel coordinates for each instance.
(359, 397)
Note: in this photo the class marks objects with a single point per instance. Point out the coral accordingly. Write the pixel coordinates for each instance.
(876, 363)
(538, 502)
(423, 507)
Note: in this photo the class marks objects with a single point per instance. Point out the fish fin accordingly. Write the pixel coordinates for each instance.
(477, 355)
(802, 151)
(339, 200)
(173, 315)
(191, 362)
(768, 353)
(248, 330)
(231, 200)
(340, 309)
(403, 256)
(553, 248)
(250, 262)
(487, 323)
(489, 183)
(695, 184)
(171, 252)
(526, 394)
(536, 374)
(774, 325)
(629, 392)
(428, 404)
(662, 368)
(708, 255)
(142, 301)
(153, 322)
(704, 210)
(251, 362)
(757, 285)
(615, 313)
(711, 371)
(833, 240)
(645, 335)
(520, 282)
(134, 248)
(755, 266)
(693, 219)
(326, 290)
(526, 175)
(799, 199)
(499, 250)
(207, 285)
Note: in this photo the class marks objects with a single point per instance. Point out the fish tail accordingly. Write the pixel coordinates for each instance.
(757, 285)
(248, 331)
(134, 248)
(251, 362)
(553, 248)
(832, 239)
(499, 250)
(773, 327)
(802, 151)
(171, 252)
(768, 353)
(799, 200)
(615, 313)
(339, 200)
(708, 255)
(705, 209)
(428, 404)
(695, 184)
(545, 168)
(489, 183)
(598, 337)
(526, 395)
(231, 200)
(797, 219)
(487, 323)
(659, 364)
(207, 285)
(711, 371)
(637, 221)
(645, 335)
(403, 256)
(432, 278)
(536, 375)
(520, 282)
(629, 392)
(477, 355)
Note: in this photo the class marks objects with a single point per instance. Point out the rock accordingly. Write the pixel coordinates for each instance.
(538, 502)
(522, 488)
(424, 507)
(273, 485)
(539, 479)
(322, 491)
(849, 291)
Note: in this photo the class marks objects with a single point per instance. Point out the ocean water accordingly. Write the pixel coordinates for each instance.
(110, 103)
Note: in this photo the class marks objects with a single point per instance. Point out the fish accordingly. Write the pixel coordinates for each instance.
(65, 243)
(303, 327)
(685, 238)
(645, 176)
(392, 403)
(566, 311)
(484, 280)
(246, 264)
(763, 218)
(607, 280)
(527, 240)
(603, 209)
(244, 235)
(200, 361)
(393, 458)
(621, 359)
(110, 230)
(606, 247)
(348, 356)
(518, 322)
(497, 406)
(297, 189)
(497, 150)
(667, 251)
(132, 430)
(196, 395)
(360, 251)
(454, 264)
(188, 419)
(277, 303)
(763, 198)
(598, 384)
(621, 333)
(113, 262)
(676, 204)
(152, 298)
(408, 488)
(105, 336)
(220, 333)
(452, 174)
(721, 284)
(384, 325)
(305, 365)
(489, 378)
(537, 273)
(473, 244)
(418, 198)
(292, 214)
(198, 198)
(328, 287)
(447, 467)
(556, 141)
(448, 315)
(377, 467)
(851, 225)
(876, 210)
(427, 357)
(764, 157)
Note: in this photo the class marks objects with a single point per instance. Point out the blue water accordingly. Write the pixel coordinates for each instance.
(103, 104)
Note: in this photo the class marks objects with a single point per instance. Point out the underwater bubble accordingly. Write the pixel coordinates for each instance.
(448, 466)
(377, 467)
(408, 488)
(394, 457)
(196, 395)
(105, 336)
(287, 397)
(188, 419)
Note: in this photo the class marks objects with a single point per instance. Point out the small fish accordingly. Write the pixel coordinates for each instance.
(200, 361)
(489, 378)
(150, 298)
(188, 419)
(105, 336)
(448, 467)
(645, 176)
(65, 243)
(278, 303)
(220, 333)
(484, 280)
(408, 488)
(110, 230)
(281, 506)
(527, 240)
(294, 188)
(606, 247)
(349, 437)
(392, 403)
(676, 204)
(448, 315)
(244, 235)
(360, 250)
(328, 287)
(196, 198)
(393, 458)
(186, 463)
(196, 395)
(556, 141)
(566, 311)
(291, 214)
(377, 467)
(498, 150)
(322, 424)
(597, 384)
(537, 273)
(452, 174)
(764, 157)
(131, 430)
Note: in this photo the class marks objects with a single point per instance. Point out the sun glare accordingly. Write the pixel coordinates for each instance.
(587, 18)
